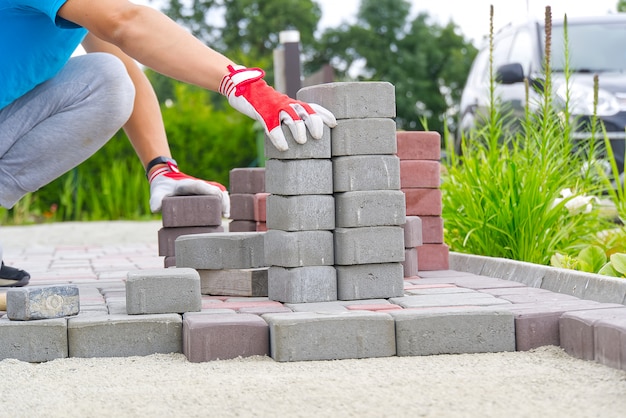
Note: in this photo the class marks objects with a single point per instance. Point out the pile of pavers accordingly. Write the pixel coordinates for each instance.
(330, 278)
(184, 215)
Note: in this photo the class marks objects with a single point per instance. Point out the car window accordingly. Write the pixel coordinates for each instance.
(522, 51)
(501, 49)
(592, 47)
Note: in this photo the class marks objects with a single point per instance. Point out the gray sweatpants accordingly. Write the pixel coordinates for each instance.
(62, 122)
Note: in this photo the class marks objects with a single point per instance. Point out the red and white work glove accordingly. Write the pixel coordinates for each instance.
(169, 181)
(248, 93)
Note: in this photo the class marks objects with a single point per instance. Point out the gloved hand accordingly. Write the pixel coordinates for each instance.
(169, 181)
(249, 93)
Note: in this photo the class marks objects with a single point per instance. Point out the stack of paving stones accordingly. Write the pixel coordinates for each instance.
(184, 215)
(245, 184)
(369, 206)
(483, 305)
(419, 154)
(300, 218)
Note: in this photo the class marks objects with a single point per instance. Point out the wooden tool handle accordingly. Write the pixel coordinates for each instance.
(3, 301)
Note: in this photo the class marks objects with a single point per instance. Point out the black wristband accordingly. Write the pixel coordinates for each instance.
(157, 161)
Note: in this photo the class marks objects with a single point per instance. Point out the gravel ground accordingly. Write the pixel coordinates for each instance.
(542, 383)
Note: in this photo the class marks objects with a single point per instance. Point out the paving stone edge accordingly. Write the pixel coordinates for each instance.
(587, 286)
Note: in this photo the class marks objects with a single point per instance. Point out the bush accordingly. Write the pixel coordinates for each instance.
(504, 196)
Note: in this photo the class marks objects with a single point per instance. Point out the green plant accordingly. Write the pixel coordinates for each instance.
(593, 259)
(503, 196)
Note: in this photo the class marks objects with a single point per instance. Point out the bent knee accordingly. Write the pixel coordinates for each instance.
(113, 84)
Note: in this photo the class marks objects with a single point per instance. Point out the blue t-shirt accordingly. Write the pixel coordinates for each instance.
(34, 45)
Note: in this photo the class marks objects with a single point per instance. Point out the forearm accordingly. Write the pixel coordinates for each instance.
(151, 38)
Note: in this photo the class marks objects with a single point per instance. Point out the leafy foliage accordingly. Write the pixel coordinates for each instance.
(502, 197)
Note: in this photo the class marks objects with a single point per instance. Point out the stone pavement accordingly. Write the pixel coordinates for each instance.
(482, 305)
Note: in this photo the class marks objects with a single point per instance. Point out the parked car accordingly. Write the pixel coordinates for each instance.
(596, 45)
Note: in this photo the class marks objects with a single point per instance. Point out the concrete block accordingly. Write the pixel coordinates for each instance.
(569, 282)
(353, 100)
(369, 245)
(238, 282)
(538, 297)
(224, 336)
(375, 307)
(410, 263)
(33, 341)
(529, 274)
(433, 257)
(301, 336)
(537, 324)
(610, 342)
(196, 210)
(242, 226)
(453, 331)
(412, 232)
(482, 282)
(366, 172)
(301, 213)
(312, 148)
(242, 206)
(228, 250)
(42, 302)
(367, 281)
(318, 307)
(167, 237)
(247, 180)
(469, 263)
(606, 289)
(576, 330)
(302, 284)
(415, 145)
(159, 291)
(299, 177)
(260, 207)
(432, 229)
(448, 300)
(124, 335)
(423, 202)
(262, 310)
(426, 290)
(420, 174)
(299, 249)
(370, 208)
(371, 136)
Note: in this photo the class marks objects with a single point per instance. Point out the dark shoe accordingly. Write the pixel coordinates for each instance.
(12, 277)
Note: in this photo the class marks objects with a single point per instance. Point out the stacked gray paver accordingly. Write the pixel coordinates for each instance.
(300, 219)
(369, 206)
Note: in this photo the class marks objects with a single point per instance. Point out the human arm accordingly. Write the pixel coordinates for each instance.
(151, 38)
(156, 41)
